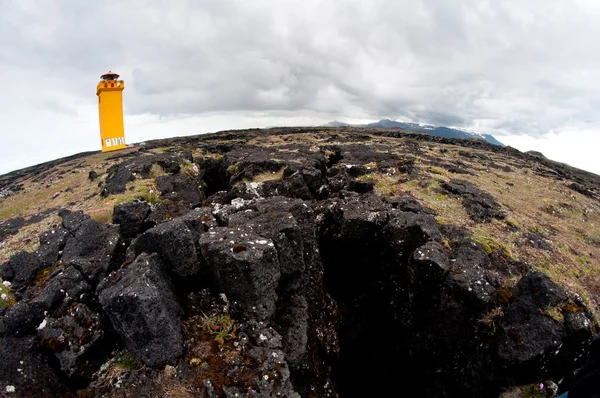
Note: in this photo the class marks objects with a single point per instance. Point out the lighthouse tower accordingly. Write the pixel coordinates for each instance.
(110, 109)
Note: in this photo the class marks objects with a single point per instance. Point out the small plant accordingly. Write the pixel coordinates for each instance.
(570, 308)
(121, 363)
(190, 169)
(536, 391)
(512, 224)
(222, 327)
(127, 361)
(328, 155)
(554, 313)
(491, 245)
(371, 177)
(6, 297)
(232, 169)
(492, 317)
(504, 295)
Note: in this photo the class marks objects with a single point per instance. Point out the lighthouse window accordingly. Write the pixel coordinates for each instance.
(121, 141)
(107, 142)
(114, 141)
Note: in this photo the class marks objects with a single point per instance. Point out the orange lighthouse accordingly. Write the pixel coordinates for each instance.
(110, 109)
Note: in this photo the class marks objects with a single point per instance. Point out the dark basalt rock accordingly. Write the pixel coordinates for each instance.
(533, 337)
(11, 227)
(132, 218)
(52, 242)
(63, 286)
(116, 181)
(245, 266)
(199, 220)
(179, 187)
(175, 243)
(21, 319)
(167, 210)
(72, 338)
(95, 249)
(405, 203)
(71, 221)
(361, 186)
(144, 311)
(537, 241)
(24, 370)
(480, 205)
(122, 173)
(20, 270)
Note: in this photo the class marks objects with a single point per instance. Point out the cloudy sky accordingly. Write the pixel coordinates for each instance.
(527, 72)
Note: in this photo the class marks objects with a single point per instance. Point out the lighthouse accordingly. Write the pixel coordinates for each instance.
(110, 110)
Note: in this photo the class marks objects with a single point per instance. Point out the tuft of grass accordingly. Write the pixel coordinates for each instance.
(490, 244)
(121, 363)
(232, 169)
(436, 170)
(102, 215)
(554, 313)
(512, 223)
(156, 171)
(269, 176)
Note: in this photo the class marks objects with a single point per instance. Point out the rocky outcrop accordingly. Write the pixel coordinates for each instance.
(141, 304)
(267, 277)
(480, 205)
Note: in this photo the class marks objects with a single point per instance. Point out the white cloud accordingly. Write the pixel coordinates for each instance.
(508, 68)
(578, 148)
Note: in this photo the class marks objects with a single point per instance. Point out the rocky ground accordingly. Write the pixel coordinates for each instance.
(298, 262)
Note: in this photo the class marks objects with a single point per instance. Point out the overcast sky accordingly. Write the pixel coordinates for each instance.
(527, 72)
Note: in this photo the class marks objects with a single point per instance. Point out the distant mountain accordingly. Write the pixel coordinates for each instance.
(439, 131)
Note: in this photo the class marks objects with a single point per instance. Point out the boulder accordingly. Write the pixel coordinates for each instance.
(25, 372)
(480, 205)
(181, 188)
(95, 249)
(72, 339)
(244, 266)
(142, 307)
(116, 181)
(175, 243)
(20, 270)
(132, 218)
(21, 319)
(543, 331)
(52, 242)
(72, 220)
(64, 285)
(11, 227)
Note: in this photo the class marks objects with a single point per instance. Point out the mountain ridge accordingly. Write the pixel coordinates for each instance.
(440, 131)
